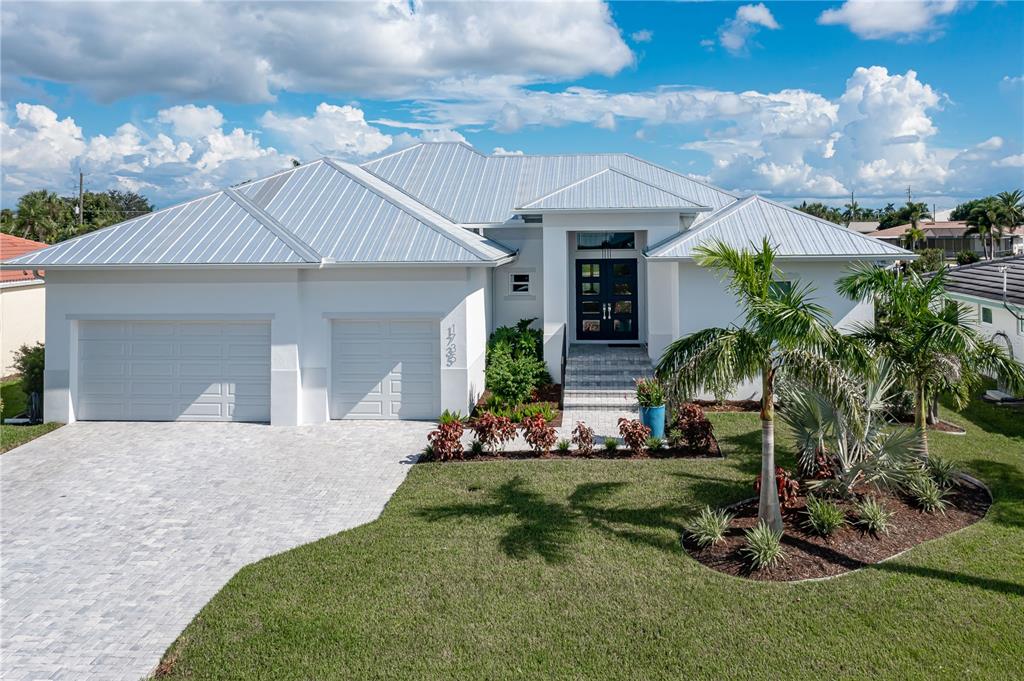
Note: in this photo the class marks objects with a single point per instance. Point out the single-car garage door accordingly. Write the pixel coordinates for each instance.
(385, 369)
(173, 371)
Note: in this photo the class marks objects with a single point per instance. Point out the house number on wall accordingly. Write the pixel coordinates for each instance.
(449, 347)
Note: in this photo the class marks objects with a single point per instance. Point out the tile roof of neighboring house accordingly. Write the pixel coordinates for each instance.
(11, 247)
(470, 188)
(984, 279)
(610, 189)
(321, 212)
(794, 234)
(955, 228)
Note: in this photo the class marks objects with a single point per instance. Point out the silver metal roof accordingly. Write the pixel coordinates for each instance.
(610, 189)
(469, 187)
(214, 229)
(322, 212)
(793, 234)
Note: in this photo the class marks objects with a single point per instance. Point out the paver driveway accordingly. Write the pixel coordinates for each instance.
(114, 535)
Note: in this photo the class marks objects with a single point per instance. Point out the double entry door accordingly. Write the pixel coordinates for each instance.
(606, 300)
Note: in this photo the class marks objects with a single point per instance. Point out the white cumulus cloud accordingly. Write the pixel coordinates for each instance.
(331, 131)
(736, 33)
(901, 19)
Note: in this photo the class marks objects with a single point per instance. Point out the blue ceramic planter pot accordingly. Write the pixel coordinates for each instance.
(654, 418)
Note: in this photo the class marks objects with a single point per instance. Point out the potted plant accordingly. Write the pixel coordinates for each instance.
(651, 397)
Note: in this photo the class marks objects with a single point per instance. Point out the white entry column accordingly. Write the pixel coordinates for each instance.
(556, 298)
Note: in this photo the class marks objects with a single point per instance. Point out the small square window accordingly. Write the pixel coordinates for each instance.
(519, 283)
(986, 315)
(782, 287)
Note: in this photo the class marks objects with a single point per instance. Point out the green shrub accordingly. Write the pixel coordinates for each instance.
(655, 443)
(708, 527)
(476, 448)
(824, 517)
(966, 257)
(428, 453)
(29, 361)
(873, 517)
(611, 445)
(929, 260)
(926, 493)
(943, 471)
(564, 445)
(764, 547)
(450, 417)
(515, 362)
(523, 411)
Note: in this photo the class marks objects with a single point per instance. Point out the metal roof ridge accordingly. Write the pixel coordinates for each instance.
(562, 188)
(688, 177)
(420, 211)
(657, 249)
(297, 245)
(617, 171)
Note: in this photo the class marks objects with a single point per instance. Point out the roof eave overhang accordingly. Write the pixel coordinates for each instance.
(858, 256)
(687, 210)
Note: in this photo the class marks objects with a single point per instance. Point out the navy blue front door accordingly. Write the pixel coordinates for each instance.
(606, 300)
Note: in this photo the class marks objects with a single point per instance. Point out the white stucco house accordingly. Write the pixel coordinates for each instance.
(22, 302)
(994, 289)
(332, 290)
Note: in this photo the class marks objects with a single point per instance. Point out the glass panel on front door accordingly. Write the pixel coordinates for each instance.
(606, 299)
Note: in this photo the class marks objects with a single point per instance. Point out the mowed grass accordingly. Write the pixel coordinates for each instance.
(14, 403)
(573, 570)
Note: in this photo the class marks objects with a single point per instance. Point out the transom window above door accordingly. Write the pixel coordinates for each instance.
(611, 241)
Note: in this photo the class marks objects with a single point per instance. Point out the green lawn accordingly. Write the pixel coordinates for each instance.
(13, 398)
(572, 569)
(16, 436)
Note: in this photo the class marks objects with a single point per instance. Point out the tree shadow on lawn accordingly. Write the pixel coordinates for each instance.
(997, 585)
(1007, 485)
(548, 529)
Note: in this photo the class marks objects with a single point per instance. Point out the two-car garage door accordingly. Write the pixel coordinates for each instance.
(385, 369)
(173, 370)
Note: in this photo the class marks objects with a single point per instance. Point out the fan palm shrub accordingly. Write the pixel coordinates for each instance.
(932, 342)
(782, 330)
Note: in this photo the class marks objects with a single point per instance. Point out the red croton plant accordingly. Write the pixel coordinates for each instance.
(446, 441)
(493, 432)
(634, 434)
(787, 486)
(538, 434)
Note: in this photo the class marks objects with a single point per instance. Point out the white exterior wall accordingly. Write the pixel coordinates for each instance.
(508, 308)
(22, 319)
(1004, 329)
(704, 302)
(300, 304)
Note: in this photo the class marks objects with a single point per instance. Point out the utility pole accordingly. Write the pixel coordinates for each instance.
(81, 187)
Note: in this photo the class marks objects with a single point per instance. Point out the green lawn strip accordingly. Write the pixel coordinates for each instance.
(14, 400)
(573, 569)
(15, 436)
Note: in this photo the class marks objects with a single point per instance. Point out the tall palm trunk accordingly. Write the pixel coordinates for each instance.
(768, 510)
(921, 416)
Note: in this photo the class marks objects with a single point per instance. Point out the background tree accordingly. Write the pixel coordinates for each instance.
(41, 215)
(783, 331)
(44, 216)
(984, 220)
(852, 212)
(932, 341)
(820, 210)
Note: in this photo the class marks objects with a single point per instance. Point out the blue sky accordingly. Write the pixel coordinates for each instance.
(798, 100)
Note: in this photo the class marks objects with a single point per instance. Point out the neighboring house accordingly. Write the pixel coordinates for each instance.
(333, 291)
(22, 301)
(981, 285)
(951, 238)
(864, 227)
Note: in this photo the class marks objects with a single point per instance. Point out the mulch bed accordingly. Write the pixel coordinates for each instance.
(621, 453)
(809, 556)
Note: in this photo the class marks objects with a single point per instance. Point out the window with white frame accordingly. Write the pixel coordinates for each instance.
(519, 284)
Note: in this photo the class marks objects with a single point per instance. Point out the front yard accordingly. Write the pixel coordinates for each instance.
(573, 569)
(14, 403)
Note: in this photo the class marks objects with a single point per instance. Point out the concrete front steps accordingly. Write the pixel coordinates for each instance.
(601, 377)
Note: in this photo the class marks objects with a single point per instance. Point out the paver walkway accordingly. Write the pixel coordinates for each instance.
(114, 535)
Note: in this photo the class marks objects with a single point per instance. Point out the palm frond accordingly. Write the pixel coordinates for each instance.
(713, 359)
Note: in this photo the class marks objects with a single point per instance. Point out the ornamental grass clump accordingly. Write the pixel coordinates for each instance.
(764, 546)
(942, 471)
(926, 493)
(708, 527)
(824, 517)
(564, 446)
(583, 438)
(873, 516)
(611, 445)
(655, 443)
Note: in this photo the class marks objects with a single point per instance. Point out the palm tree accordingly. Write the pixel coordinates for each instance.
(983, 221)
(782, 331)
(852, 211)
(1011, 210)
(41, 214)
(932, 341)
(912, 236)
